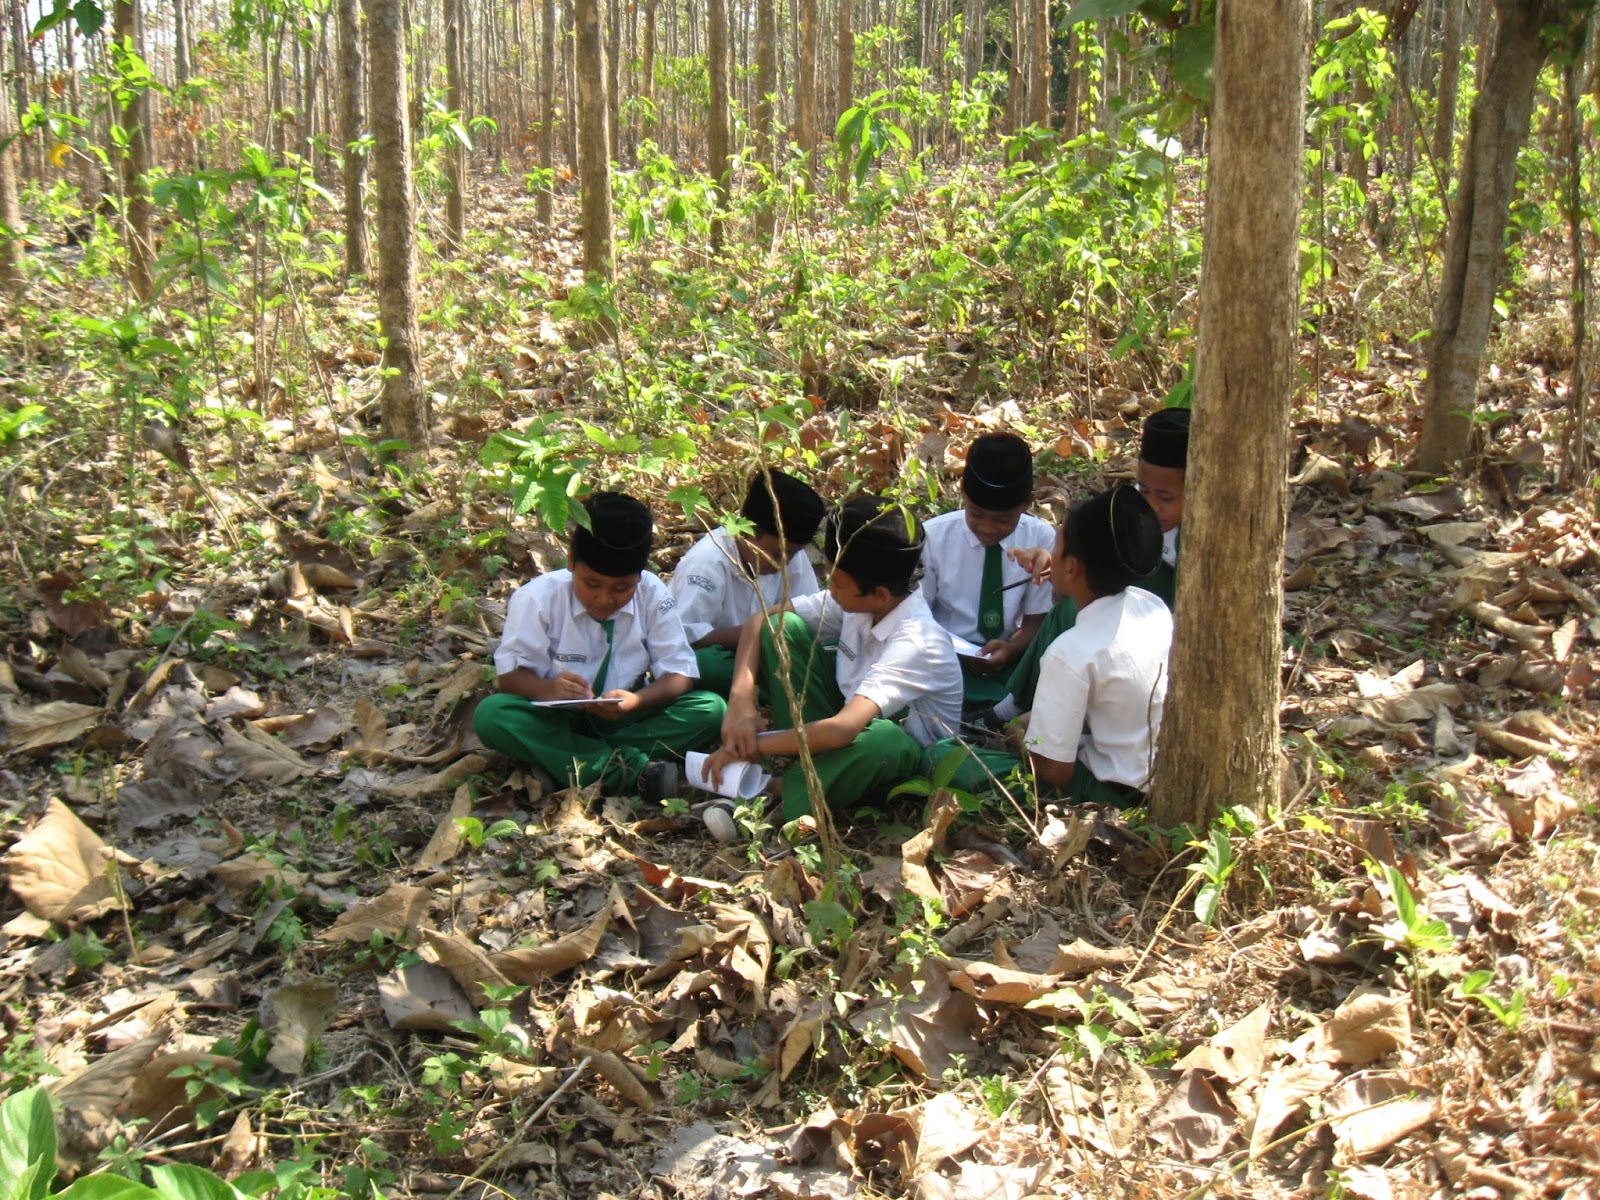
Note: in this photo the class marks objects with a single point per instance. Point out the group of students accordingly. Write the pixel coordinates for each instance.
(1036, 648)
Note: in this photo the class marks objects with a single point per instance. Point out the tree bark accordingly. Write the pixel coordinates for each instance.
(455, 159)
(1039, 45)
(351, 119)
(132, 117)
(847, 78)
(718, 133)
(404, 401)
(1444, 120)
(547, 110)
(1475, 246)
(11, 229)
(1219, 738)
(806, 87)
(21, 69)
(594, 141)
(613, 79)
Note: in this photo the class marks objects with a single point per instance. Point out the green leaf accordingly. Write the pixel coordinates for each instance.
(105, 1187)
(1206, 903)
(1194, 49)
(27, 1145)
(180, 1181)
(1099, 10)
(947, 766)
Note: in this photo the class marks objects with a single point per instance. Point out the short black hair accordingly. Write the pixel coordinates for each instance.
(1116, 536)
(875, 542)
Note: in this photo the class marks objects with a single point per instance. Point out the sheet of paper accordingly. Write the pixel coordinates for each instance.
(740, 781)
(965, 648)
(571, 703)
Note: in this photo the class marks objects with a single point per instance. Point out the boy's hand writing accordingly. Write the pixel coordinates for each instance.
(568, 686)
(996, 654)
(719, 758)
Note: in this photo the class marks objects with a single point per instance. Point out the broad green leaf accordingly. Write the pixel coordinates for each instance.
(27, 1145)
(1194, 48)
(180, 1181)
(947, 766)
(106, 1187)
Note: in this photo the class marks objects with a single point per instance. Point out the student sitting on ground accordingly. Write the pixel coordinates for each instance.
(973, 587)
(1092, 732)
(726, 579)
(604, 630)
(891, 660)
(1163, 453)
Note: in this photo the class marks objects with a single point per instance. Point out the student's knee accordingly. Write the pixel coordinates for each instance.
(497, 718)
(788, 624)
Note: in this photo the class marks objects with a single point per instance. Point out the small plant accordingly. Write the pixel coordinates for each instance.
(999, 1094)
(1214, 868)
(475, 835)
(1425, 942)
(1475, 986)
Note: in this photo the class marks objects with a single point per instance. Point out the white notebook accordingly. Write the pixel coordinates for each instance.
(740, 780)
(570, 703)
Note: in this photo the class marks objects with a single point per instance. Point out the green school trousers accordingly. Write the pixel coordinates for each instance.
(579, 748)
(882, 754)
(716, 669)
(974, 775)
(983, 686)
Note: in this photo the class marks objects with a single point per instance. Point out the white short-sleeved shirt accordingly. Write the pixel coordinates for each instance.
(1169, 546)
(714, 591)
(548, 632)
(952, 573)
(1102, 687)
(904, 661)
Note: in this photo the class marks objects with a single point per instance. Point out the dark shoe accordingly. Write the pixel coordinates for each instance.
(658, 782)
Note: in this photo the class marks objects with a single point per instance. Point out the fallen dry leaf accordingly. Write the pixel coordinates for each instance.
(1371, 1112)
(948, 1130)
(160, 1092)
(397, 913)
(914, 874)
(317, 730)
(446, 840)
(1367, 1026)
(536, 962)
(252, 869)
(1286, 1091)
(468, 965)
(98, 1091)
(423, 997)
(296, 1014)
(241, 1150)
(1237, 1053)
(62, 871)
(1194, 1122)
(926, 1025)
(44, 725)
(441, 781)
(262, 758)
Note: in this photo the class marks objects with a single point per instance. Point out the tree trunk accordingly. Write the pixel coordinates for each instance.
(1039, 45)
(351, 120)
(765, 106)
(647, 85)
(806, 87)
(135, 164)
(405, 402)
(571, 118)
(613, 84)
(594, 141)
(547, 110)
(1475, 246)
(1444, 120)
(972, 30)
(1219, 738)
(455, 158)
(21, 68)
(1575, 448)
(11, 229)
(718, 135)
(847, 79)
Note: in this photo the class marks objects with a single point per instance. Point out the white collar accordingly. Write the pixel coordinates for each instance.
(896, 616)
(578, 610)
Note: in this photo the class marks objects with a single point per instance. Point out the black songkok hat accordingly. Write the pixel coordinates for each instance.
(1118, 536)
(1165, 441)
(781, 504)
(619, 536)
(999, 474)
(871, 537)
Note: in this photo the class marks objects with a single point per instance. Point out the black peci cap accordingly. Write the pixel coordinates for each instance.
(781, 504)
(1165, 440)
(999, 474)
(619, 536)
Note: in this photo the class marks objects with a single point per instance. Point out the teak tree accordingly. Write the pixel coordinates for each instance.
(133, 119)
(455, 161)
(594, 141)
(352, 116)
(10, 210)
(719, 135)
(1219, 738)
(404, 403)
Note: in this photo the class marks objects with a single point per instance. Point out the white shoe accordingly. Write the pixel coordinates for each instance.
(719, 820)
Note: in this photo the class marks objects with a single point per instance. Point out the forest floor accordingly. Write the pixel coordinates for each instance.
(273, 909)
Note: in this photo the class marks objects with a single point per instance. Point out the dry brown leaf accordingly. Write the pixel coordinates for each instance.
(926, 1025)
(1422, 704)
(397, 913)
(62, 871)
(446, 840)
(44, 725)
(536, 962)
(999, 985)
(803, 1033)
(468, 965)
(1237, 1053)
(423, 997)
(235, 702)
(373, 728)
(1367, 1026)
(75, 616)
(262, 758)
(620, 1076)
(466, 677)
(98, 1091)
(160, 1092)
(1286, 1091)
(1080, 957)
(76, 664)
(296, 1014)
(1194, 1122)
(441, 781)
(914, 874)
(1372, 1112)
(241, 1150)
(948, 1130)
(317, 730)
(252, 869)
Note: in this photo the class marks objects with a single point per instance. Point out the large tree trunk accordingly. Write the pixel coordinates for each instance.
(455, 159)
(405, 403)
(1475, 247)
(1444, 120)
(1219, 739)
(10, 210)
(594, 142)
(132, 117)
(718, 134)
(351, 119)
(547, 110)
(806, 86)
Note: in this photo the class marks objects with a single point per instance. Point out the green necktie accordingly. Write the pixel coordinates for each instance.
(605, 663)
(991, 604)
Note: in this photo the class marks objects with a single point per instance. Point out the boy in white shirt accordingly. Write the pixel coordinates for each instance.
(604, 630)
(726, 579)
(974, 587)
(891, 657)
(1092, 732)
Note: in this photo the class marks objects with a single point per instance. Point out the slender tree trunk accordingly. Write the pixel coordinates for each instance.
(1575, 455)
(594, 140)
(1219, 738)
(404, 401)
(135, 164)
(647, 85)
(571, 119)
(718, 134)
(847, 78)
(1039, 45)
(765, 115)
(806, 87)
(613, 79)
(1444, 120)
(972, 31)
(22, 69)
(547, 110)
(1475, 246)
(351, 120)
(455, 162)
(11, 229)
